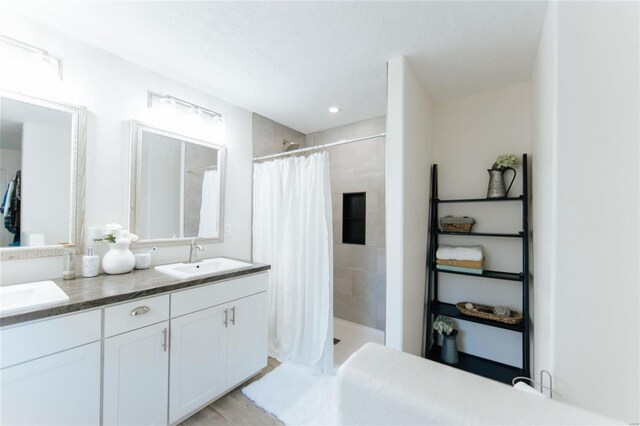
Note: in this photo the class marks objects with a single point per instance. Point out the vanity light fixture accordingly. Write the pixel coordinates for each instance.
(37, 53)
(173, 101)
(167, 100)
(334, 110)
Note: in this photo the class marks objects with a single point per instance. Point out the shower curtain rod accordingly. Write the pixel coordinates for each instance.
(313, 148)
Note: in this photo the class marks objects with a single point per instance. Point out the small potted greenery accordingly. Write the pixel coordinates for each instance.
(497, 187)
(506, 161)
(444, 326)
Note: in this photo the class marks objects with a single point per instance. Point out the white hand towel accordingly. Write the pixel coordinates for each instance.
(522, 386)
(459, 252)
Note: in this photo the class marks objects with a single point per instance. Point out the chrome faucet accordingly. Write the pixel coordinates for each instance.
(195, 248)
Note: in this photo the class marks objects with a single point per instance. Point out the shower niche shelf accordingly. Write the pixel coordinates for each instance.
(354, 217)
(434, 306)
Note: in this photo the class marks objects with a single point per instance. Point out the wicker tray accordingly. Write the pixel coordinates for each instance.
(457, 227)
(513, 319)
(457, 224)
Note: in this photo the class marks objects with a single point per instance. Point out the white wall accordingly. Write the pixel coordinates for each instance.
(544, 203)
(11, 161)
(588, 104)
(468, 134)
(45, 178)
(409, 157)
(115, 92)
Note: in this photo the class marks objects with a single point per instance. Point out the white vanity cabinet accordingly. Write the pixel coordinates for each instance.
(51, 371)
(151, 361)
(136, 362)
(198, 360)
(216, 348)
(247, 338)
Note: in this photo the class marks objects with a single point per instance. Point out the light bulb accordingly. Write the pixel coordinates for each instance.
(168, 100)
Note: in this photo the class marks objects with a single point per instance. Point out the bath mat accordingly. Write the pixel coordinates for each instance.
(296, 396)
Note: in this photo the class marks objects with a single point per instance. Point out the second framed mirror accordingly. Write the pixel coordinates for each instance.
(177, 187)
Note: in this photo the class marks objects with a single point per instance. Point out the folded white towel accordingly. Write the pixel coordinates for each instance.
(459, 252)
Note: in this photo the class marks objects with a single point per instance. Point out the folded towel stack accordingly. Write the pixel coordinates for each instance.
(469, 259)
(459, 253)
(462, 263)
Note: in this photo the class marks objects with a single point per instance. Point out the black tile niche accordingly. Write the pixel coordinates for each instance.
(354, 215)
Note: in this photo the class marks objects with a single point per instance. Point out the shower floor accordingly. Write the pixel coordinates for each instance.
(351, 337)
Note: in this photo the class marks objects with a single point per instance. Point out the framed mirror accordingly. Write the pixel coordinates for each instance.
(177, 187)
(42, 172)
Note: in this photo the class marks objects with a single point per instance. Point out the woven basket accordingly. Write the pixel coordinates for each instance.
(513, 319)
(457, 224)
(457, 227)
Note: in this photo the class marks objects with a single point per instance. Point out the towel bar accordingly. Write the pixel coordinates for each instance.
(540, 383)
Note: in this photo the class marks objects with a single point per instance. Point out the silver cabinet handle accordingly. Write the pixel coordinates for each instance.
(164, 339)
(233, 315)
(226, 317)
(139, 311)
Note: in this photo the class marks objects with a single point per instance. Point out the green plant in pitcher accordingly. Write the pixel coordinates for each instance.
(443, 325)
(506, 161)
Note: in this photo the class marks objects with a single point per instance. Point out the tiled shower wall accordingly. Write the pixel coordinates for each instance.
(359, 270)
(268, 136)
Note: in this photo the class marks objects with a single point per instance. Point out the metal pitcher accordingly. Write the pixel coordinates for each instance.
(497, 187)
(449, 353)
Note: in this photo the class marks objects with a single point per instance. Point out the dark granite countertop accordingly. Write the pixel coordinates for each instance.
(87, 293)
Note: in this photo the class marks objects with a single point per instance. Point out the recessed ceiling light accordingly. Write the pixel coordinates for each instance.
(334, 109)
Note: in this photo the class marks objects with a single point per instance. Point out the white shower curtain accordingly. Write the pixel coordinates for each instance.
(292, 231)
(210, 208)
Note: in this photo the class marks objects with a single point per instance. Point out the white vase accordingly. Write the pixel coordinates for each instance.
(119, 259)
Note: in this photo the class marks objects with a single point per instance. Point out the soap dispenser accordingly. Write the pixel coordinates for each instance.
(90, 264)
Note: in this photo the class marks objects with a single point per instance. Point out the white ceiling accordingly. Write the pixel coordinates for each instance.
(290, 61)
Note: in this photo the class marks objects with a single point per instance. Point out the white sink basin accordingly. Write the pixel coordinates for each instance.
(202, 268)
(23, 297)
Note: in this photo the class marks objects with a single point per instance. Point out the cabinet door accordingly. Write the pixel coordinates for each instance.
(198, 360)
(247, 337)
(136, 377)
(59, 389)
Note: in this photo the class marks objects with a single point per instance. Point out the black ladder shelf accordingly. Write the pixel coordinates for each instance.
(434, 307)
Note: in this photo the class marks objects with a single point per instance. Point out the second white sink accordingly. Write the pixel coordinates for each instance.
(202, 268)
(23, 297)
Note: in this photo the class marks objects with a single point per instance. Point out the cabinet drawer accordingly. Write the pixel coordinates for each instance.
(25, 342)
(136, 314)
(191, 300)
